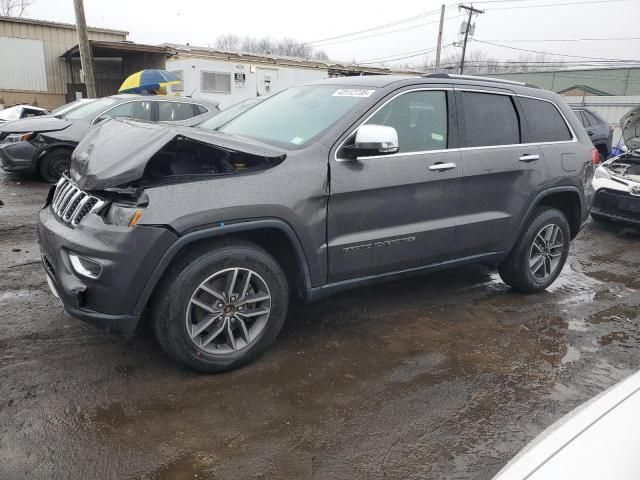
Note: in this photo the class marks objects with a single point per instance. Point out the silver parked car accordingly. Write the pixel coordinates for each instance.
(44, 145)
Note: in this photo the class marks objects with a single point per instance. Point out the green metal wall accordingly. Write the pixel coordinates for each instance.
(614, 81)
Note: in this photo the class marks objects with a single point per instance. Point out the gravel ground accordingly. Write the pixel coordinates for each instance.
(442, 376)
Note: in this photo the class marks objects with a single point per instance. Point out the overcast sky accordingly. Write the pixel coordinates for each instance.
(199, 22)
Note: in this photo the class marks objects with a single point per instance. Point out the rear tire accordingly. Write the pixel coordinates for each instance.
(210, 285)
(54, 164)
(538, 256)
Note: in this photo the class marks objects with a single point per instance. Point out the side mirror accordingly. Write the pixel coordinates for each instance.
(373, 140)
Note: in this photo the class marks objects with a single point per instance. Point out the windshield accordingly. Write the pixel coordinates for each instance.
(227, 114)
(11, 113)
(90, 109)
(293, 117)
(68, 107)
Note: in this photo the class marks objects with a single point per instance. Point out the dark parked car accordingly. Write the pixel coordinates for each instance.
(326, 186)
(598, 129)
(44, 144)
(617, 181)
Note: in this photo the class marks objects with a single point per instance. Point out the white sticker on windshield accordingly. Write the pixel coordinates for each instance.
(297, 140)
(353, 92)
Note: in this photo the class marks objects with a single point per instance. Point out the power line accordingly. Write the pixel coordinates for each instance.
(415, 53)
(552, 53)
(378, 27)
(554, 4)
(564, 39)
(386, 33)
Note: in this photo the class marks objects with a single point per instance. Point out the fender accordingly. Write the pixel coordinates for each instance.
(536, 202)
(222, 229)
(42, 151)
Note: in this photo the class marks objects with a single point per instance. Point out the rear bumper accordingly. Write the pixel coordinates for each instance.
(127, 256)
(17, 157)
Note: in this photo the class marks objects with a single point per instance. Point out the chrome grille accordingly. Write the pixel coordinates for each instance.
(70, 204)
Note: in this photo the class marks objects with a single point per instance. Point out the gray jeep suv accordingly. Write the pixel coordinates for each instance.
(334, 184)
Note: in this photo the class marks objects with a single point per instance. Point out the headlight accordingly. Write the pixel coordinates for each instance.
(18, 137)
(602, 172)
(123, 215)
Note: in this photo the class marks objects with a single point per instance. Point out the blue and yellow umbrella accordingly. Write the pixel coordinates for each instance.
(148, 80)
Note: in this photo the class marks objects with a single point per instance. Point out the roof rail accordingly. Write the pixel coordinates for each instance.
(478, 78)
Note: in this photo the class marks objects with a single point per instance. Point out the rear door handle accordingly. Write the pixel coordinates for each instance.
(529, 158)
(441, 167)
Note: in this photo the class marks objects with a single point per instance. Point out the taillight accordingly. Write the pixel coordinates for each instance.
(595, 156)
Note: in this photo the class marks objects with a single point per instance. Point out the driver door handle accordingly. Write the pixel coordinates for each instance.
(441, 167)
(529, 158)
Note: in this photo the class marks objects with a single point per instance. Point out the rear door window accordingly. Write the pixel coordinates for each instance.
(544, 122)
(137, 110)
(490, 119)
(174, 111)
(420, 119)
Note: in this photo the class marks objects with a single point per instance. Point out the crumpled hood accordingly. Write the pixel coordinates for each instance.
(116, 151)
(47, 123)
(630, 124)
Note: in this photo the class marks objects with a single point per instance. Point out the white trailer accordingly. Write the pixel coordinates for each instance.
(231, 78)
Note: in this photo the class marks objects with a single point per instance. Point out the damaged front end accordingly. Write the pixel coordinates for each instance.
(125, 153)
(120, 159)
(617, 181)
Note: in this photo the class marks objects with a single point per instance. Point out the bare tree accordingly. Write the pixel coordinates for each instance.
(286, 47)
(14, 8)
(228, 42)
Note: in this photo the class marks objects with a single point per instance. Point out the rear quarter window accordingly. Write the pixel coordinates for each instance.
(544, 122)
(490, 119)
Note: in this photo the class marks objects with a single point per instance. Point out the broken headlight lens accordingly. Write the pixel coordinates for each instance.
(123, 215)
(602, 172)
(18, 137)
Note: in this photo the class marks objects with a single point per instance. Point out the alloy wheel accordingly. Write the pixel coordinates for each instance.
(228, 311)
(546, 252)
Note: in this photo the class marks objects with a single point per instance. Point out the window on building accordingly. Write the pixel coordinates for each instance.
(174, 111)
(490, 119)
(420, 119)
(216, 82)
(544, 122)
(178, 87)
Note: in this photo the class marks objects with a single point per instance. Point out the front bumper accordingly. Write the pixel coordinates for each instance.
(617, 205)
(17, 157)
(127, 255)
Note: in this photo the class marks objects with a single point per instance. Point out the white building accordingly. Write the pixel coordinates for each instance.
(229, 77)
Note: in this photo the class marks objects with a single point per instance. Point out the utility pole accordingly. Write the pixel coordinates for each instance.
(471, 11)
(439, 39)
(86, 57)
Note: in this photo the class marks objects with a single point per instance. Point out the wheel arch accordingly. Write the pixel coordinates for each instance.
(276, 236)
(566, 199)
(42, 153)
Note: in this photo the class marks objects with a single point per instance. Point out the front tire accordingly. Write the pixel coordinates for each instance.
(538, 256)
(54, 165)
(221, 307)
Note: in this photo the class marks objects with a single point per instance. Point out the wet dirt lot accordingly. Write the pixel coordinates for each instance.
(442, 376)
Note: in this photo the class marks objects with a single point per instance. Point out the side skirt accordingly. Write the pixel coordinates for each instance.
(318, 293)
